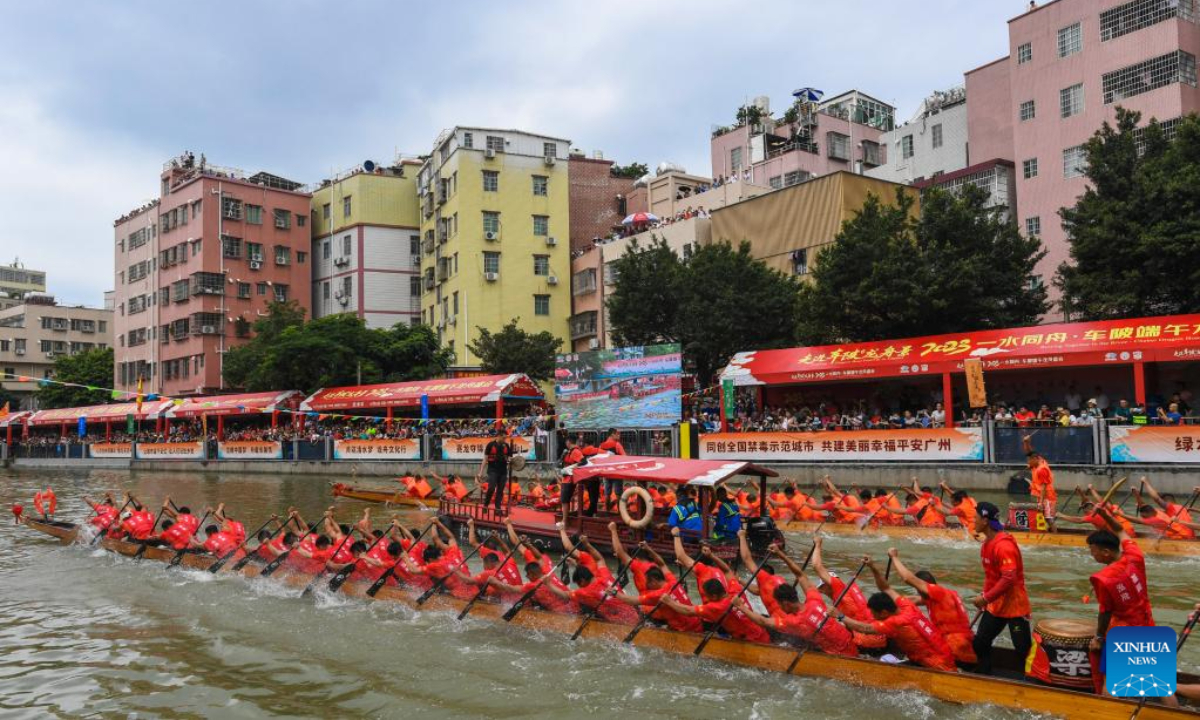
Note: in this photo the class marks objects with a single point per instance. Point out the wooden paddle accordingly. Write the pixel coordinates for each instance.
(732, 604)
(137, 556)
(821, 625)
(179, 555)
(437, 586)
(520, 603)
(645, 617)
(483, 588)
(811, 551)
(274, 564)
(112, 522)
(250, 556)
(1184, 634)
(321, 573)
(387, 574)
(220, 563)
(1111, 490)
(866, 519)
(618, 583)
(339, 579)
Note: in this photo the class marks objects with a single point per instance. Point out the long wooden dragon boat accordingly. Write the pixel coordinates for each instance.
(960, 688)
(1065, 537)
(385, 496)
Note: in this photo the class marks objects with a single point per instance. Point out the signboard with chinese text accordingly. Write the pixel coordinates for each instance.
(250, 450)
(472, 448)
(958, 444)
(630, 387)
(1154, 444)
(170, 451)
(110, 450)
(400, 449)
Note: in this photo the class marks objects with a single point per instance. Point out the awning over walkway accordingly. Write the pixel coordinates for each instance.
(16, 417)
(247, 404)
(117, 412)
(1158, 339)
(455, 391)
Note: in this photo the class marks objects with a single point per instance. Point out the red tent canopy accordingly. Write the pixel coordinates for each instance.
(15, 417)
(1158, 339)
(666, 471)
(100, 413)
(248, 404)
(447, 391)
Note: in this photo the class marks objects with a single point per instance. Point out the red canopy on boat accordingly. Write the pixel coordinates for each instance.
(116, 412)
(666, 471)
(446, 391)
(246, 404)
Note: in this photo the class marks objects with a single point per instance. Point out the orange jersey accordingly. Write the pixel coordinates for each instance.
(1042, 485)
(916, 637)
(1120, 589)
(965, 512)
(949, 616)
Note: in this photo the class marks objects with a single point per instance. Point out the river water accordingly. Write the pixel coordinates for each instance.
(87, 634)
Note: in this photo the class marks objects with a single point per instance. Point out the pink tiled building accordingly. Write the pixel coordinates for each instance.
(196, 267)
(1070, 64)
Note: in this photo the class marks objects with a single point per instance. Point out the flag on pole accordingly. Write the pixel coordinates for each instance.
(139, 395)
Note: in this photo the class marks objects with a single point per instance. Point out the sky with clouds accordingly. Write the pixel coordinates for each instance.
(94, 96)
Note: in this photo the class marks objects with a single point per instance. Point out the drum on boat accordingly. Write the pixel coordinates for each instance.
(1026, 516)
(1060, 653)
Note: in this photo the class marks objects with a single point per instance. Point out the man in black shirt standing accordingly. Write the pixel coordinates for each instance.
(495, 462)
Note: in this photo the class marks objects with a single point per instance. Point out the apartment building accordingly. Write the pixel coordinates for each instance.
(495, 218)
(36, 332)
(16, 281)
(366, 244)
(196, 268)
(1070, 64)
(599, 200)
(933, 142)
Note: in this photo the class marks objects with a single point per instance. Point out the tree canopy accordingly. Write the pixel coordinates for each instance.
(1133, 233)
(644, 304)
(92, 368)
(632, 171)
(958, 265)
(515, 350)
(287, 352)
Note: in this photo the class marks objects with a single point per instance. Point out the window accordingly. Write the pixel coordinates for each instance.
(1070, 40)
(326, 250)
(414, 286)
(906, 146)
(491, 222)
(541, 304)
(1028, 110)
(254, 252)
(414, 244)
(345, 244)
(839, 145)
(1174, 67)
(254, 214)
(937, 136)
(325, 290)
(283, 218)
(735, 160)
(1070, 100)
(231, 208)
(541, 264)
(541, 225)
(231, 247)
(281, 292)
(206, 283)
(325, 211)
(468, 140)
(871, 153)
(346, 206)
(180, 290)
(244, 290)
(491, 262)
(1074, 162)
(1033, 226)
(347, 286)
(491, 181)
(1030, 168)
(541, 185)
(775, 182)
(454, 304)
(1024, 53)
(549, 150)
(1133, 16)
(795, 177)
(495, 143)
(301, 256)
(301, 220)
(283, 255)
(262, 288)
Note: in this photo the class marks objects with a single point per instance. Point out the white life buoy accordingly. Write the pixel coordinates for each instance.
(647, 503)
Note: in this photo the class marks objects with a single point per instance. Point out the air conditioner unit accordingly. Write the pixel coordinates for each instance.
(551, 241)
(339, 294)
(341, 261)
(344, 300)
(489, 153)
(491, 276)
(453, 320)
(256, 265)
(208, 329)
(552, 280)
(491, 235)
(549, 159)
(441, 325)
(593, 343)
(256, 257)
(19, 351)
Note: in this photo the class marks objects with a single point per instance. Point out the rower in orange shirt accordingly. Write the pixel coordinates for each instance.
(920, 508)
(1164, 525)
(777, 501)
(963, 509)
(1041, 484)
(1092, 517)
(537, 493)
(1167, 502)
(944, 607)
(1004, 601)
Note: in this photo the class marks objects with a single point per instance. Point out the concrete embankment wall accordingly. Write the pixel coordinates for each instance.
(972, 476)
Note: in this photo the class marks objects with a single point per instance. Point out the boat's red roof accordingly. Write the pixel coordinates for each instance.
(666, 471)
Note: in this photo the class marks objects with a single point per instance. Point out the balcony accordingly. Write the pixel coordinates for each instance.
(583, 325)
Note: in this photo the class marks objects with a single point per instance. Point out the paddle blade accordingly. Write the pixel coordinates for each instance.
(378, 584)
(274, 564)
(512, 611)
(340, 579)
(242, 563)
(308, 589)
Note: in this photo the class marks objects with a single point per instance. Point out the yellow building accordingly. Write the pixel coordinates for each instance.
(495, 230)
(366, 245)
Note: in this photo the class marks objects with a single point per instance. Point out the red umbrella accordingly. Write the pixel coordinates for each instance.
(639, 218)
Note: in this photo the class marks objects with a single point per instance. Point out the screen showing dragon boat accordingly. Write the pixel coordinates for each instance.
(629, 387)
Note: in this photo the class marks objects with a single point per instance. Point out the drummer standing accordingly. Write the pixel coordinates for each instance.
(1041, 482)
(496, 456)
(1003, 602)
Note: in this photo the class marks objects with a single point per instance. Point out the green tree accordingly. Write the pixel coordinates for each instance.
(1133, 233)
(957, 266)
(730, 302)
(330, 351)
(514, 350)
(633, 170)
(644, 304)
(92, 368)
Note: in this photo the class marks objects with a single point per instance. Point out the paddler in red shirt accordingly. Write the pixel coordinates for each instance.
(138, 524)
(1041, 484)
(229, 525)
(1004, 601)
(1093, 518)
(853, 604)
(798, 617)
(106, 513)
(717, 606)
(1121, 589)
(898, 619)
(943, 606)
(596, 588)
(767, 580)
(653, 579)
(1179, 518)
(710, 568)
(218, 542)
(1169, 525)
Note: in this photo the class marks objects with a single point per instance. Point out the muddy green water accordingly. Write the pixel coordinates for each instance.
(87, 634)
